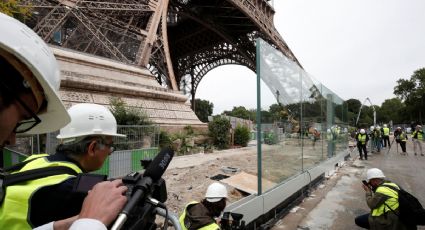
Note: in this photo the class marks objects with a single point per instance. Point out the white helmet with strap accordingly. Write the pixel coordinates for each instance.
(89, 120)
(20, 45)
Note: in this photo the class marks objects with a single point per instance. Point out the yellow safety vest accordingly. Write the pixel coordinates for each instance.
(391, 202)
(14, 211)
(212, 226)
(386, 131)
(362, 138)
(420, 136)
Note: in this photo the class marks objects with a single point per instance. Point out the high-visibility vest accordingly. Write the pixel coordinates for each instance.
(420, 135)
(403, 136)
(212, 226)
(14, 211)
(362, 138)
(386, 131)
(391, 202)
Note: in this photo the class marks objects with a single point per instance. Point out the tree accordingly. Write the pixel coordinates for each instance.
(12, 8)
(203, 109)
(412, 93)
(278, 112)
(392, 110)
(240, 112)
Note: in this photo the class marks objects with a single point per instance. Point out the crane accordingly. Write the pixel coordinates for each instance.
(360, 110)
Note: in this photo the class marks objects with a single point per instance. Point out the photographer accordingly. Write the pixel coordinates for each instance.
(86, 143)
(381, 200)
(201, 215)
(29, 103)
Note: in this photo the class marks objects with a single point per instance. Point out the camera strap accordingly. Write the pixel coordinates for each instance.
(8, 179)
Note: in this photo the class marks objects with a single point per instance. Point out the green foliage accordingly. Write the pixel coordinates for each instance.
(412, 93)
(240, 112)
(219, 131)
(164, 139)
(270, 138)
(189, 130)
(242, 135)
(11, 8)
(127, 115)
(392, 109)
(278, 112)
(203, 109)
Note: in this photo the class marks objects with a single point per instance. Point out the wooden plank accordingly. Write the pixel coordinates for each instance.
(247, 182)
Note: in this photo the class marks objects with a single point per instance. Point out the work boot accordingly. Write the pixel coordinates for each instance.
(422, 154)
(416, 154)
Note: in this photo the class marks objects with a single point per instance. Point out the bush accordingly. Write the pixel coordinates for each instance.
(189, 130)
(127, 115)
(219, 131)
(242, 135)
(164, 139)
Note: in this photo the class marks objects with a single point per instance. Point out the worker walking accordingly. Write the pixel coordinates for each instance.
(401, 138)
(386, 136)
(417, 138)
(362, 139)
(201, 215)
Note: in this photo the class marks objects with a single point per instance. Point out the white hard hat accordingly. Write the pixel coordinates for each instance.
(362, 131)
(372, 127)
(216, 192)
(89, 119)
(24, 44)
(378, 127)
(374, 173)
(385, 125)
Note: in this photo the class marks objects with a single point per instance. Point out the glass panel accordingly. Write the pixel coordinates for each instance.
(304, 124)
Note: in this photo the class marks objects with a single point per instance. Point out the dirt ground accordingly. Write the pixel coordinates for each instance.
(188, 177)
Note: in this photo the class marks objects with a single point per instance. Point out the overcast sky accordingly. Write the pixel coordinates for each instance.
(357, 48)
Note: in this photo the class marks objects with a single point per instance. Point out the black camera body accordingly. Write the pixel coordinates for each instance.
(142, 216)
(158, 188)
(232, 221)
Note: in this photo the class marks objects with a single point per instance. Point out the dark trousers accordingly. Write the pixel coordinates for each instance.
(387, 139)
(362, 149)
(403, 146)
(362, 221)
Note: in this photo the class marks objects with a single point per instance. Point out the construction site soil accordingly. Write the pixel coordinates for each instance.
(188, 177)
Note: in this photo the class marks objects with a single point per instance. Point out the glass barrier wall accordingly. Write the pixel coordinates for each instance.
(304, 123)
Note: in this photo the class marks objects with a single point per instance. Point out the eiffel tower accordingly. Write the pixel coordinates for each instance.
(178, 41)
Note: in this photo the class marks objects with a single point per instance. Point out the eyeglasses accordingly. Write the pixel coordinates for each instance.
(24, 126)
(111, 145)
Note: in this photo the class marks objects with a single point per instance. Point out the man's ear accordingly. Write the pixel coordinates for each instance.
(92, 148)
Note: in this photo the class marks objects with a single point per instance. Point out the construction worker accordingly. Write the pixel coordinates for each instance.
(362, 139)
(417, 138)
(401, 138)
(386, 136)
(85, 144)
(29, 103)
(382, 199)
(201, 215)
(378, 138)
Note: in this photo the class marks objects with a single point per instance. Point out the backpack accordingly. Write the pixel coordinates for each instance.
(411, 211)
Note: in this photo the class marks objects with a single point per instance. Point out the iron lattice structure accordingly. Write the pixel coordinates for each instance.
(179, 41)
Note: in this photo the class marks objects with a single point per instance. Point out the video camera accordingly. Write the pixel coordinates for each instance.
(233, 223)
(146, 193)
